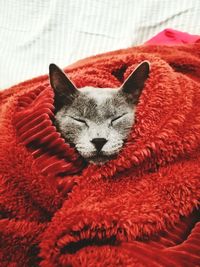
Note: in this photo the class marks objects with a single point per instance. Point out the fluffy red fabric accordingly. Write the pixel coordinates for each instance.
(140, 209)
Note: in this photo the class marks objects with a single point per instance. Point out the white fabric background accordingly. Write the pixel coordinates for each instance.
(34, 33)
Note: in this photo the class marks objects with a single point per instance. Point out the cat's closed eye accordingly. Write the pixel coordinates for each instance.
(79, 120)
(117, 119)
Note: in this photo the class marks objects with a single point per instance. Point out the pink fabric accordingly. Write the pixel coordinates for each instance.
(173, 37)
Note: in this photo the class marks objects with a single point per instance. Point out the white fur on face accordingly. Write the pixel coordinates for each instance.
(113, 137)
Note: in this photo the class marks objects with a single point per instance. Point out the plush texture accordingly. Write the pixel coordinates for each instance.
(140, 209)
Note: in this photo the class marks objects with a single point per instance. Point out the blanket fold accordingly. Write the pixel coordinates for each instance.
(140, 209)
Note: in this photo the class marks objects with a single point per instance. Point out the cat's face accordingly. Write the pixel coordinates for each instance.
(96, 121)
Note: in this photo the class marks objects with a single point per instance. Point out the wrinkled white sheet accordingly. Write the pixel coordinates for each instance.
(34, 33)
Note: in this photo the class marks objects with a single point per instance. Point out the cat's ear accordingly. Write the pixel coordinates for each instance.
(134, 84)
(65, 91)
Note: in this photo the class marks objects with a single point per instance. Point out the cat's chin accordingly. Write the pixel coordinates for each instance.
(99, 160)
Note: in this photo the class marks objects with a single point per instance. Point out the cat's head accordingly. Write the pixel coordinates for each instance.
(96, 120)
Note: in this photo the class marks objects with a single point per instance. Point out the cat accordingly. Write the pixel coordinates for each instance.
(96, 121)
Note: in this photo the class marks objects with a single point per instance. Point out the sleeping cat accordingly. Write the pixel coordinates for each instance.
(96, 121)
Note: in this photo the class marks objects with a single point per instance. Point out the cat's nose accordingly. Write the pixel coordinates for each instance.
(99, 143)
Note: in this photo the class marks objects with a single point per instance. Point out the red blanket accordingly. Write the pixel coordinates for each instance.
(140, 209)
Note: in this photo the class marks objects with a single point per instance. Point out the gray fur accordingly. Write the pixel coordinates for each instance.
(91, 113)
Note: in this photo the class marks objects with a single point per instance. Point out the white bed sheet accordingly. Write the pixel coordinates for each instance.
(34, 33)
